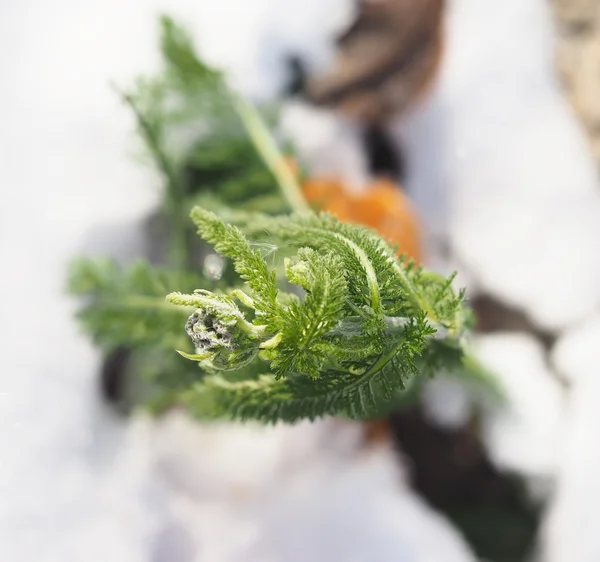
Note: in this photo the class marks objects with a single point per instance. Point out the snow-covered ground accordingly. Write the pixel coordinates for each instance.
(497, 165)
(521, 202)
(571, 531)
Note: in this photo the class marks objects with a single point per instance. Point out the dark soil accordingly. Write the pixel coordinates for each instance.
(450, 469)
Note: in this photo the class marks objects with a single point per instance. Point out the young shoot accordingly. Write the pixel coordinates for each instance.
(358, 328)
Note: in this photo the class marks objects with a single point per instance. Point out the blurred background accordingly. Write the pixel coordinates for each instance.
(482, 117)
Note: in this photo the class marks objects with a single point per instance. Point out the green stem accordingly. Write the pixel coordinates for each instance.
(413, 294)
(251, 330)
(381, 362)
(143, 302)
(270, 154)
(365, 262)
(369, 270)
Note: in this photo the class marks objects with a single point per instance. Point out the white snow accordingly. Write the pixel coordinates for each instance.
(500, 168)
(447, 401)
(525, 434)
(252, 40)
(295, 494)
(499, 164)
(326, 143)
(571, 532)
(524, 218)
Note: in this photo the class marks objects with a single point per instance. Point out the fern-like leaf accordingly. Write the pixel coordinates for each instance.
(128, 306)
(302, 349)
(361, 334)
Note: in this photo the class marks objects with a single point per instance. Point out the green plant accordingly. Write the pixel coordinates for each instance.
(316, 317)
(365, 327)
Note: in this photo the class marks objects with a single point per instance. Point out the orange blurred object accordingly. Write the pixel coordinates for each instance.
(383, 206)
(319, 192)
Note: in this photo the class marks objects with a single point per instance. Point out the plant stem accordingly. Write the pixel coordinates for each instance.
(364, 262)
(142, 302)
(271, 155)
